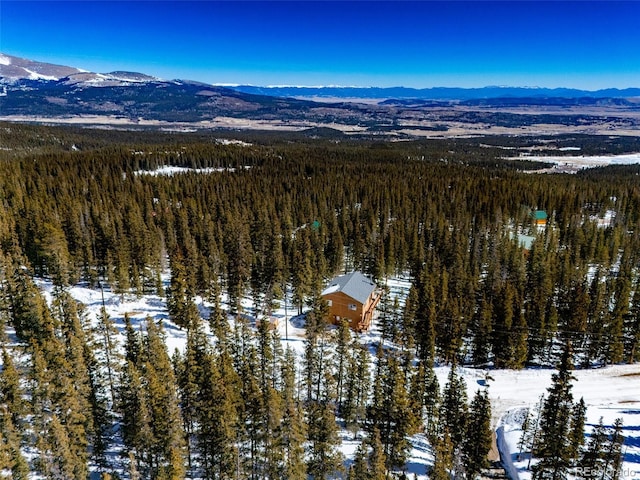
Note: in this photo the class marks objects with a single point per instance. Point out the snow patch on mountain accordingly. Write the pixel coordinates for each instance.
(38, 76)
(4, 60)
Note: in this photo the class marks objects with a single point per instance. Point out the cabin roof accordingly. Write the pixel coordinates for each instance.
(539, 215)
(354, 285)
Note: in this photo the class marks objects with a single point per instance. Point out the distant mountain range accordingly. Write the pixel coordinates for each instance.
(41, 92)
(29, 88)
(436, 93)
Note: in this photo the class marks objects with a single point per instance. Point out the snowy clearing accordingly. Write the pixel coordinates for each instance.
(572, 164)
(173, 170)
(517, 463)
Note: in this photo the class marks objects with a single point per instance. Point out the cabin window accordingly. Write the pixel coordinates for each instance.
(352, 306)
(330, 303)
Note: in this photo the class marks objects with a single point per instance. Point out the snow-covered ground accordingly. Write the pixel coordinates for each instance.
(572, 164)
(604, 220)
(173, 170)
(610, 392)
(517, 463)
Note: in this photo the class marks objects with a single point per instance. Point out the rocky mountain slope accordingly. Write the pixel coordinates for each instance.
(41, 89)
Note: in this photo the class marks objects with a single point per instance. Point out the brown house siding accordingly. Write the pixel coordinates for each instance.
(359, 318)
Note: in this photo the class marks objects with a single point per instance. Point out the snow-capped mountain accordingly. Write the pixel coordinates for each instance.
(13, 69)
(36, 89)
(44, 92)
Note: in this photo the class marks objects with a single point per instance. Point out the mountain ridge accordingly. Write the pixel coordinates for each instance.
(435, 93)
(17, 68)
(37, 92)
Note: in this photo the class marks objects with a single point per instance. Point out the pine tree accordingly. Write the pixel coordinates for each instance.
(136, 418)
(401, 421)
(417, 393)
(576, 434)
(503, 347)
(576, 317)
(477, 441)
(356, 390)
(217, 416)
(632, 329)
(613, 452)
(359, 469)
(189, 377)
(554, 448)
(11, 394)
(161, 388)
(408, 318)
(595, 325)
(301, 270)
(29, 314)
(61, 463)
(425, 318)
(218, 321)
(182, 309)
(11, 457)
(238, 252)
(377, 458)
(273, 413)
(616, 319)
(293, 429)
(324, 458)
(531, 430)
(133, 343)
(253, 411)
(152, 427)
(481, 346)
(392, 411)
(317, 319)
(519, 336)
(444, 456)
(453, 408)
(318, 358)
(107, 331)
(425, 396)
(343, 339)
(385, 320)
(591, 461)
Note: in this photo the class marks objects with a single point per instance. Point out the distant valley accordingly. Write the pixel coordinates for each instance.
(37, 92)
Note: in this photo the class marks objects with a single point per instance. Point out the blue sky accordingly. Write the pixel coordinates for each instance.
(584, 44)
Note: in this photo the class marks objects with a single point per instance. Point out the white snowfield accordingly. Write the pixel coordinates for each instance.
(609, 392)
(574, 163)
(38, 76)
(169, 170)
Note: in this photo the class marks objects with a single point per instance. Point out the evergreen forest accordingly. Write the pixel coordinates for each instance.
(269, 218)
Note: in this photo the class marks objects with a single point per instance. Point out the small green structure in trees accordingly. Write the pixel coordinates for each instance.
(539, 217)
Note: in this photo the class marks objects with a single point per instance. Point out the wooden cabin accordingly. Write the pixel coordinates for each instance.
(352, 297)
(539, 218)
